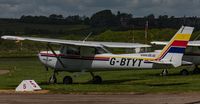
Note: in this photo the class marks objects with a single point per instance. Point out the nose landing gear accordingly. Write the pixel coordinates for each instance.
(53, 79)
(66, 79)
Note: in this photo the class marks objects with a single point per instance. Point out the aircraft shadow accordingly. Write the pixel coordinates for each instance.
(119, 82)
(116, 81)
(196, 102)
(104, 82)
(166, 84)
(170, 74)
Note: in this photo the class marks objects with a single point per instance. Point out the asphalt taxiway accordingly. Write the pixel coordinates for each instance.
(180, 98)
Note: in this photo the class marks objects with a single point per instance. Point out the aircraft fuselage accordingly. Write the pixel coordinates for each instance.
(100, 62)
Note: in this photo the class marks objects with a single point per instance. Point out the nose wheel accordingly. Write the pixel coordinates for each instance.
(53, 79)
(97, 80)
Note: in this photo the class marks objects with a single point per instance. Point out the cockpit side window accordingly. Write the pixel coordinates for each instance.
(73, 50)
(62, 49)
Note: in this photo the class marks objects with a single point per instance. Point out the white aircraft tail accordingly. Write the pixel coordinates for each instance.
(173, 52)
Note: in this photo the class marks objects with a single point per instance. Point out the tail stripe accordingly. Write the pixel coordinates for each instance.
(179, 43)
(176, 50)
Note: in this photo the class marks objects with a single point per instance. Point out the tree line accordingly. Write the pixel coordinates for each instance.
(107, 19)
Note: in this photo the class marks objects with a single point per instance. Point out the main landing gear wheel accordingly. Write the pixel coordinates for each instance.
(184, 72)
(67, 80)
(52, 79)
(97, 80)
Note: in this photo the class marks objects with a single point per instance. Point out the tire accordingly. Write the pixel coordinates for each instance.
(196, 71)
(67, 80)
(97, 80)
(184, 72)
(52, 79)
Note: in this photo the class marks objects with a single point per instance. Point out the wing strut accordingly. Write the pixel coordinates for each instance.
(87, 37)
(56, 55)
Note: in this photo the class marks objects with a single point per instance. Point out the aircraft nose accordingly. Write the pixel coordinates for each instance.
(43, 53)
(42, 56)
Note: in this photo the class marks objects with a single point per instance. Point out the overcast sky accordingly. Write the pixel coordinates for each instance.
(17, 8)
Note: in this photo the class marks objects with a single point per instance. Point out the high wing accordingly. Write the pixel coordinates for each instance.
(78, 43)
(190, 43)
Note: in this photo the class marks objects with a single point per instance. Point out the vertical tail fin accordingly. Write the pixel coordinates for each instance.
(175, 49)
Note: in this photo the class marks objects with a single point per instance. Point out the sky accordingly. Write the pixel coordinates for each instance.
(139, 8)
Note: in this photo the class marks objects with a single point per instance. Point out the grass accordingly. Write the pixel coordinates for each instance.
(142, 81)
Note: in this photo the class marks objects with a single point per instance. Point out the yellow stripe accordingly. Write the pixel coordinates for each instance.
(184, 37)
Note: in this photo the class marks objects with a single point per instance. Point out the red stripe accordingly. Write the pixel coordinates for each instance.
(179, 43)
(50, 55)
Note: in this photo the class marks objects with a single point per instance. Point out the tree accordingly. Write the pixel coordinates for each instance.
(54, 16)
(124, 19)
(151, 20)
(76, 19)
(103, 18)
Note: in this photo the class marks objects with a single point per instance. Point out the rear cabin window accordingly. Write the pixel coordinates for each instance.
(88, 51)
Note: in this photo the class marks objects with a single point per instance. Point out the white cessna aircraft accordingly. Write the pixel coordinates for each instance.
(78, 56)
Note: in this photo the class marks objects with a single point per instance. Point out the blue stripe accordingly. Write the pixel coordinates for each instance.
(176, 50)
